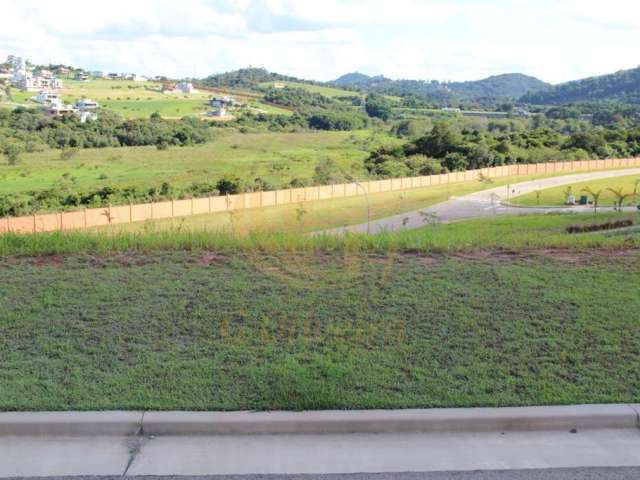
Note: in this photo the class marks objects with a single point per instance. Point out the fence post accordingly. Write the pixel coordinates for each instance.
(85, 218)
(130, 212)
(61, 225)
(34, 222)
(172, 215)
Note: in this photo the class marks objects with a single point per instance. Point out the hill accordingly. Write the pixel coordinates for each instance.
(506, 86)
(622, 86)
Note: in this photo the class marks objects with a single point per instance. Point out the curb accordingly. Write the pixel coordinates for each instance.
(457, 420)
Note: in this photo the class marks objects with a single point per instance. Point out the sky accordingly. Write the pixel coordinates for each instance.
(554, 40)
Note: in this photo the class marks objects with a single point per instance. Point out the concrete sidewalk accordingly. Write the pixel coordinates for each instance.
(485, 203)
(192, 443)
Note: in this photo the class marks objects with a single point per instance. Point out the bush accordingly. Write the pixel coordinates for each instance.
(596, 227)
(229, 185)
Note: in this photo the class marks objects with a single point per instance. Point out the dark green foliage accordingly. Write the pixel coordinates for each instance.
(453, 148)
(66, 197)
(229, 184)
(109, 130)
(486, 91)
(378, 107)
(622, 86)
(336, 121)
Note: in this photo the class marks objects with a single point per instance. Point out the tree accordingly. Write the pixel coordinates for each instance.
(229, 185)
(12, 150)
(621, 196)
(439, 142)
(595, 194)
(378, 107)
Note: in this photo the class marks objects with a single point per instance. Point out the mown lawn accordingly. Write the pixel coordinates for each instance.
(171, 329)
(558, 195)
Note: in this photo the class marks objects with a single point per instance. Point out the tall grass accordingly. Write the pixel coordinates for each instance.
(534, 231)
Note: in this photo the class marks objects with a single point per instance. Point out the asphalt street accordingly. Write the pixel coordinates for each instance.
(629, 473)
(486, 203)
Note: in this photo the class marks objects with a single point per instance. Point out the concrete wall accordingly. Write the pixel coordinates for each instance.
(94, 217)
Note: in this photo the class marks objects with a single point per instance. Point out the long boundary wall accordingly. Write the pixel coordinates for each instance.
(94, 217)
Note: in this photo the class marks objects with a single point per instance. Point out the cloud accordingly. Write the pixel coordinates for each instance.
(555, 40)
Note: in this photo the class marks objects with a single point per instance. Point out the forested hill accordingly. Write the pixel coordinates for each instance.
(244, 78)
(622, 86)
(511, 85)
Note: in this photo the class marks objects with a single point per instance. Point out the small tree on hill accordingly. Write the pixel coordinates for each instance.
(12, 150)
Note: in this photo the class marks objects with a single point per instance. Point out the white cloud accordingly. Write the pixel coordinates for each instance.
(556, 40)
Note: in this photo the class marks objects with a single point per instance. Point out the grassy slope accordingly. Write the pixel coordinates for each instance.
(178, 330)
(557, 195)
(326, 91)
(276, 157)
(136, 99)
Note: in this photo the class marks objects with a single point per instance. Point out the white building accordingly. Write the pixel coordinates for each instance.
(98, 74)
(29, 82)
(45, 97)
(185, 87)
(58, 109)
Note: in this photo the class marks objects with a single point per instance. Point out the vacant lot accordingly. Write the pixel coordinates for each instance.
(203, 330)
(275, 157)
(558, 195)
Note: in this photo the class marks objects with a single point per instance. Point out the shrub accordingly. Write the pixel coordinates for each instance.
(595, 227)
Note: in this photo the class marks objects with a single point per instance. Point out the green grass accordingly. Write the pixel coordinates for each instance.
(326, 91)
(558, 195)
(209, 331)
(275, 157)
(268, 108)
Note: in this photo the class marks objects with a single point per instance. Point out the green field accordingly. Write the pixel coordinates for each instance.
(203, 329)
(275, 157)
(558, 195)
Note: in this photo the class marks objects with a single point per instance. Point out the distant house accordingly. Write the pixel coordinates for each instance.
(82, 77)
(222, 102)
(113, 76)
(132, 77)
(47, 98)
(185, 87)
(59, 109)
(220, 106)
(86, 105)
(278, 85)
(29, 82)
(97, 74)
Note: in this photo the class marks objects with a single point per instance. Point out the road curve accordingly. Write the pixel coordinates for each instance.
(485, 203)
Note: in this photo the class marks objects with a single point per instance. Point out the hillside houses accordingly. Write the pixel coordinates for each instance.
(221, 106)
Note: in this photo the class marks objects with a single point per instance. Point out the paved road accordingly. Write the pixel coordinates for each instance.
(485, 203)
(630, 473)
(318, 454)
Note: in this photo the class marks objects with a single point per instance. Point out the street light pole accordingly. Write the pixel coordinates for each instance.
(366, 196)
